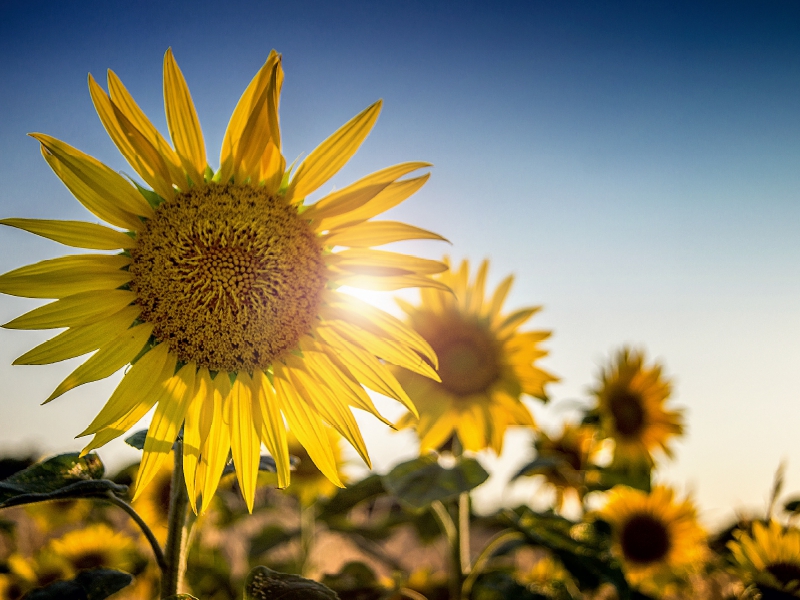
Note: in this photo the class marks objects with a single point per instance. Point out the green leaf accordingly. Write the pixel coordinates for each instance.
(96, 584)
(355, 580)
(584, 548)
(347, 498)
(637, 477)
(265, 584)
(136, 440)
(57, 478)
(421, 481)
(269, 537)
(542, 464)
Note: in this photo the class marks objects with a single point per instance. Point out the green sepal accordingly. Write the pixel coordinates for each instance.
(421, 481)
(96, 584)
(63, 476)
(153, 199)
(263, 583)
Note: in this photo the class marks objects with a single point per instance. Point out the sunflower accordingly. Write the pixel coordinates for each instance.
(655, 536)
(630, 402)
(548, 578)
(569, 455)
(94, 547)
(770, 559)
(223, 293)
(485, 364)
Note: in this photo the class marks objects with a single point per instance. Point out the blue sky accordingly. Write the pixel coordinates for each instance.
(634, 164)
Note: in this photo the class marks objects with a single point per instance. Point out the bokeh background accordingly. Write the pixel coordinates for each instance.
(635, 164)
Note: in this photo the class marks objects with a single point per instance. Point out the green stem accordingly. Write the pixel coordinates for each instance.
(308, 526)
(450, 530)
(148, 533)
(477, 568)
(175, 551)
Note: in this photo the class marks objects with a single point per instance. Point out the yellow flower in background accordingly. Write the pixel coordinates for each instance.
(630, 402)
(94, 547)
(485, 363)
(222, 291)
(654, 535)
(548, 578)
(153, 503)
(770, 559)
(571, 451)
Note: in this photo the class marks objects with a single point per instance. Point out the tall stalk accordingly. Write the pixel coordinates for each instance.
(175, 550)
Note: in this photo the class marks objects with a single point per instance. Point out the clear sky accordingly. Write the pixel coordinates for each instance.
(635, 164)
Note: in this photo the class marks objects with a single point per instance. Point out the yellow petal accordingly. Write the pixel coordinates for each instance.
(332, 154)
(67, 275)
(367, 369)
(257, 133)
(377, 233)
(245, 440)
(77, 309)
(182, 121)
(473, 299)
(173, 401)
(499, 298)
(392, 195)
(128, 107)
(133, 145)
(109, 359)
(102, 191)
(515, 320)
(272, 428)
(80, 340)
(252, 102)
(144, 400)
(306, 425)
(330, 407)
(387, 350)
(192, 435)
(357, 194)
(74, 233)
(367, 261)
(364, 315)
(388, 283)
(137, 384)
(273, 166)
(218, 442)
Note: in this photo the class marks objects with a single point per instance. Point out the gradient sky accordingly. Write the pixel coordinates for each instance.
(633, 163)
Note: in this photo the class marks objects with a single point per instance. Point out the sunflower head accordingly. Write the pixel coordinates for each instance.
(655, 536)
(571, 452)
(97, 546)
(769, 558)
(221, 286)
(486, 363)
(630, 401)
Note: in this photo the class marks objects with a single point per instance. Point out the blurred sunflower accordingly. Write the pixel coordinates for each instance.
(548, 578)
(94, 547)
(655, 537)
(565, 460)
(630, 403)
(223, 297)
(770, 559)
(485, 363)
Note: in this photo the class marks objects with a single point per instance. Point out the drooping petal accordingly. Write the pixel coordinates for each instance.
(245, 440)
(182, 121)
(202, 396)
(366, 261)
(377, 233)
(109, 359)
(75, 233)
(132, 143)
(81, 339)
(103, 192)
(74, 310)
(217, 444)
(173, 401)
(272, 428)
(332, 154)
(67, 275)
(305, 423)
(136, 385)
